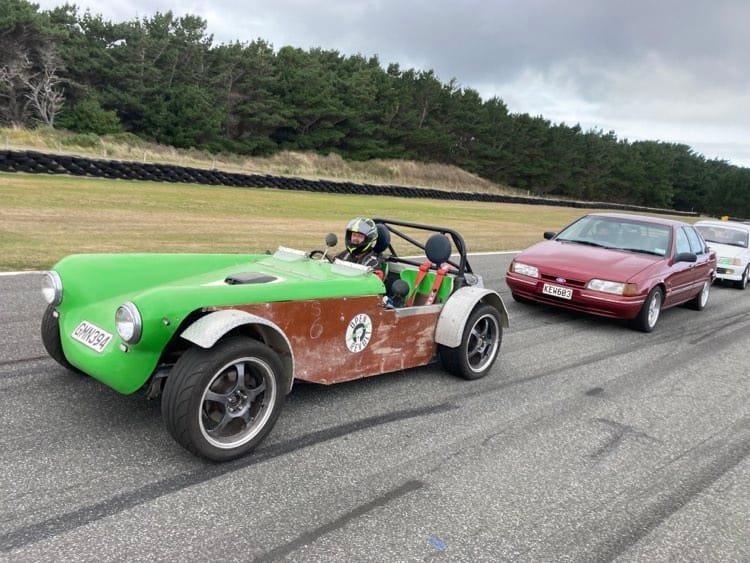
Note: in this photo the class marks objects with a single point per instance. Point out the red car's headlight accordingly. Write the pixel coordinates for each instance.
(615, 288)
(524, 269)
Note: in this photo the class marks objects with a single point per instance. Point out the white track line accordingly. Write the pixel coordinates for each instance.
(22, 273)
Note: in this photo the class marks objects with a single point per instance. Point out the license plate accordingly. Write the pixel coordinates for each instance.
(557, 291)
(92, 336)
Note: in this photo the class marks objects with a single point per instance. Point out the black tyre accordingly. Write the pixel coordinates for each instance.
(51, 338)
(220, 403)
(480, 344)
(649, 313)
(742, 284)
(699, 301)
(520, 299)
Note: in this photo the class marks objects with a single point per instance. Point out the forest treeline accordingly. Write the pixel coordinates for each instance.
(163, 79)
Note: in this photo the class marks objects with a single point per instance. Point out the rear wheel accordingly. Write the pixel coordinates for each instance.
(699, 301)
(220, 403)
(479, 346)
(649, 313)
(742, 284)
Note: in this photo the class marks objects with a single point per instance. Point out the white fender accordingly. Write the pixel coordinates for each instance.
(206, 331)
(458, 307)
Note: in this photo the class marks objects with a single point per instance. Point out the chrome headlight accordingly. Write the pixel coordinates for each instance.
(52, 288)
(525, 269)
(128, 322)
(615, 288)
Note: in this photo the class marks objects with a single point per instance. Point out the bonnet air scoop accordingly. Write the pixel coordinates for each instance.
(249, 277)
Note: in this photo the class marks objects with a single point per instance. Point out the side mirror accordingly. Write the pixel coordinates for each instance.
(549, 234)
(685, 257)
(331, 239)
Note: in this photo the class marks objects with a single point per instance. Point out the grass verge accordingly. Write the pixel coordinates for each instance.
(44, 218)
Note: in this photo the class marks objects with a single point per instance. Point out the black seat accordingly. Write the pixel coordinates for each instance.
(384, 238)
(383, 242)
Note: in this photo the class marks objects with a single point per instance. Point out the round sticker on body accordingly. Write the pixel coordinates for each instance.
(358, 333)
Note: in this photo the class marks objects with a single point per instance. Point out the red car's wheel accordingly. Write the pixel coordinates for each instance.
(649, 314)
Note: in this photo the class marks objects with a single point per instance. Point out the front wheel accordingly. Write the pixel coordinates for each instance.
(51, 338)
(742, 283)
(480, 345)
(220, 403)
(649, 313)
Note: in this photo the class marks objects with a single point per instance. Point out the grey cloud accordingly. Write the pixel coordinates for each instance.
(650, 62)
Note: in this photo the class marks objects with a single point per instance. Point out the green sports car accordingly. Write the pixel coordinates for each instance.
(222, 337)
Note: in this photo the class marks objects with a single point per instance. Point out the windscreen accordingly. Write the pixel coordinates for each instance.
(723, 235)
(618, 234)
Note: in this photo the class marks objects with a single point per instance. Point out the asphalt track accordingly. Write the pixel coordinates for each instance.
(587, 442)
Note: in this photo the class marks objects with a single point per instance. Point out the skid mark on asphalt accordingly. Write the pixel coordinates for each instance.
(309, 537)
(621, 521)
(27, 366)
(617, 434)
(700, 468)
(42, 359)
(62, 523)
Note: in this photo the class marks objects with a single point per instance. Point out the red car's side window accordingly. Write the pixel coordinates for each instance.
(683, 244)
(696, 243)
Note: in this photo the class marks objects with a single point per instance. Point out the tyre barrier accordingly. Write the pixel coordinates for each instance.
(32, 162)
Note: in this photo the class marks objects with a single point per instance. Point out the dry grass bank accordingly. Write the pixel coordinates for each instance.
(127, 147)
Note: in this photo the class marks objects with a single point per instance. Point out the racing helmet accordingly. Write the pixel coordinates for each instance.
(367, 228)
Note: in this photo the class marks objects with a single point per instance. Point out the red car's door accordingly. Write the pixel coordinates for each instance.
(686, 279)
(705, 266)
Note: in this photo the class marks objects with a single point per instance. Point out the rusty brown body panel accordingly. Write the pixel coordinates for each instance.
(336, 340)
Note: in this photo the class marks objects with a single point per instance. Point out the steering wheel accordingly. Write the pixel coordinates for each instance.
(314, 253)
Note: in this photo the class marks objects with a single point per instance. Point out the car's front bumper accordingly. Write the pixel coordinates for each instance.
(583, 300)
(729, 274)
(122, 367)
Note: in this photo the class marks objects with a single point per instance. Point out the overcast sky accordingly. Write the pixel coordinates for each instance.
(664, 70)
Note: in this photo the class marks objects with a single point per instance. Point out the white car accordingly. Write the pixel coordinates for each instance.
(731, 242)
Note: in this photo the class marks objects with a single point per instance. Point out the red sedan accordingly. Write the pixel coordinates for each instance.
(617, 265)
